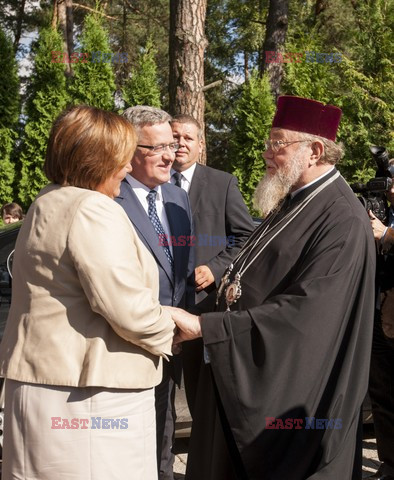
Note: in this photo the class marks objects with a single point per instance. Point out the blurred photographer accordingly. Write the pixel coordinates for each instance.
(381, 383)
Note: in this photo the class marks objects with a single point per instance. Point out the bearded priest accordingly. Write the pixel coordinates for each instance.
(288, 338)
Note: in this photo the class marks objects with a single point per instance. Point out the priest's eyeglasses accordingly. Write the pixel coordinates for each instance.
(276, 145)
(174, 147)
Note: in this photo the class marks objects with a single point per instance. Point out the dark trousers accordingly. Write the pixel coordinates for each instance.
(165, 424)
(192, 356)
(381, 391)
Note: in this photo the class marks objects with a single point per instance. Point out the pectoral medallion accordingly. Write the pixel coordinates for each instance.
(233, 291)
(223, 283)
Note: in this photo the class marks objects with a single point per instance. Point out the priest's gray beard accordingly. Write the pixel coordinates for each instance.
(272, 189)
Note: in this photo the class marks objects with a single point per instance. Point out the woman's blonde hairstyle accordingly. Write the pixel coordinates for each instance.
(87, 145)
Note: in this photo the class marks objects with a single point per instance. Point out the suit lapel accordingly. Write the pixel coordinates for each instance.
(137, 215)
(197, 187)
(175, 228)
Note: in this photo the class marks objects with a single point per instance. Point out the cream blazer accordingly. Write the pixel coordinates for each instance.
(85, 309)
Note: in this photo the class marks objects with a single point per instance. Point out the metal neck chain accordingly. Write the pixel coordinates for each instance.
(233, 289)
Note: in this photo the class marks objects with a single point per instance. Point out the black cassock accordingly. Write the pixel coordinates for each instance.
(295, 345)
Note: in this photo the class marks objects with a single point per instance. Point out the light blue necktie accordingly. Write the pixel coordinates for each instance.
(154, 218)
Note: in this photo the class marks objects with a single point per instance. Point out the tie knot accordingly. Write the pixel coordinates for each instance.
(151, 196)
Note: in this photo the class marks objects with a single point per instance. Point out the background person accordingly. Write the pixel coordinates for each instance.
(85, 333)
(381, 381)
(291, 336)
(158, 209)
(11, 213)
(221, 224)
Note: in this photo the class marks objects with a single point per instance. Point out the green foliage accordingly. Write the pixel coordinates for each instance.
(361, 84)
(9, 112)
(7, 173)
(142, 87)
(47, 97)
(93, 82)
(367, 118)
(9, 83)
(137, 21)
(304, 79)
(234, 31)
(253, 112)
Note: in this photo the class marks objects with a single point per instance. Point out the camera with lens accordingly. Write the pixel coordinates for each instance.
(372, 194)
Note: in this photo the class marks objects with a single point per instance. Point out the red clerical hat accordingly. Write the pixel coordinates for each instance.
(308, 116)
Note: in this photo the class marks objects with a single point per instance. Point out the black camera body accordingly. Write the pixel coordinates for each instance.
(372, 194)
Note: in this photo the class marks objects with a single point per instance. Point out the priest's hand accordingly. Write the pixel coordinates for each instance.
(377, 226)
(203, 277)
(189, 326)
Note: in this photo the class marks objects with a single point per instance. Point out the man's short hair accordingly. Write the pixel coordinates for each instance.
(333, 152)
(184, 118)
(142, 115)
(87, 145)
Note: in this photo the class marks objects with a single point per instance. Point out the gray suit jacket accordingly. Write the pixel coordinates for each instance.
(178, 292)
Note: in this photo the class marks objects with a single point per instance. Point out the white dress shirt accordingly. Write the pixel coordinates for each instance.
(142, 191)
(186, 177)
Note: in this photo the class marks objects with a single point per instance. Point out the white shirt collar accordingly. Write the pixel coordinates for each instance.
(142, 190)
(187, 174)
(293, 194)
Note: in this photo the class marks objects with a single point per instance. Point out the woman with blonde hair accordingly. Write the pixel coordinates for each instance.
(85, 336)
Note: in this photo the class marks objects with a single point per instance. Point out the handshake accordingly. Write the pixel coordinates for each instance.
(188, 327)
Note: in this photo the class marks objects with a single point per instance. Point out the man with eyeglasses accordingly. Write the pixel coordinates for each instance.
(221, 221)
(288, 339)
(161, 215)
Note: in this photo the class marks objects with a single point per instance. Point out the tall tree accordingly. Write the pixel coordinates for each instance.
(93, 82)
(253, 117)
(47, 97)
(142, 87)
(9, 112)
(137, 21)
(187, 48)
(275, 37)
(63, 18)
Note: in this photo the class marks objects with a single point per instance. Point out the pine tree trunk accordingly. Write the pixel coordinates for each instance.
(275, 37)
(19, 23)
(70, 25)
(187, 48)
(65, 19)
(246, 66)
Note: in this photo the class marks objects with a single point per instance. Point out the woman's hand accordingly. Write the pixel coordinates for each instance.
(189, 326)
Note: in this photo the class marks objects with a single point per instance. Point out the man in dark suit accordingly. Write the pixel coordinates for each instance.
(221, 224)
(161, 215)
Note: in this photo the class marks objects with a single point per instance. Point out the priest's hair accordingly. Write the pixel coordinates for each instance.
(333, 152)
